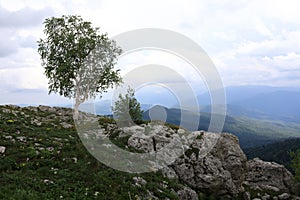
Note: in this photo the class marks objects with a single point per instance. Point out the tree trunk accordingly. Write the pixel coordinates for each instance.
(76, 111)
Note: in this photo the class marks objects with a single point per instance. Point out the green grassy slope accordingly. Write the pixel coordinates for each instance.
(44, 160)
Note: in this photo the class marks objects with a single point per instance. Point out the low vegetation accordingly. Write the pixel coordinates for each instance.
(42, 157)
(276, 152)
(45, 160)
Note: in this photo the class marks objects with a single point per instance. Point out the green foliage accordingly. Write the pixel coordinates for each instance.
(191, 151)
(103, 120)
(79, 62)
(127, 107)
(296, 164)
(52, 163)
(173, 126)
(278, 152)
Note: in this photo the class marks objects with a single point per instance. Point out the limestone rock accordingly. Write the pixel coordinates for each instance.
(66, 125)
(187, 194)
(32, 108)
(2, 149)
(284, 196)
(210, 162)
(266, 175)
(47, 109)
(221, 171)
(36, 122)
(149, 138)
(247, 196)
(169, 172)
(139, 181)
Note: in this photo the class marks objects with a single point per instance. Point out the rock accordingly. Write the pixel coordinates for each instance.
(187, 194)
(247, 196)
(139, 181)
(132, 130)
(66, 125)
(149, 138)
(271, 188)
(36, 122)
(221, 171)
(75, 160)
(8, 137)
(32, 108)
(284, 196)
(180, 131)
(50, 149)
(47, 181)
(209, 162)
(232, 157)
(21, 138)
(150, 195)
(47, 109)
(169, 173)
(265, 197)
(268, 175)
(43, 108)
(141, 142)
(13, 106)
(2, 149)
(6, 110)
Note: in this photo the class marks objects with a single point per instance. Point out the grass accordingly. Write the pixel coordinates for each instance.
(50, 162)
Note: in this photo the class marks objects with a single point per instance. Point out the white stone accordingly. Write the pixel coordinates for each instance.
(284, 196)
(2, 149)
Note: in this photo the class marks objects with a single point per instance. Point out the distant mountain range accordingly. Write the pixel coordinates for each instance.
(259, 102)
(251, 132)
(281, 105)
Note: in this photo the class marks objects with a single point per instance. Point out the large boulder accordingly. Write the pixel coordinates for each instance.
(268, 176)
(221, 171)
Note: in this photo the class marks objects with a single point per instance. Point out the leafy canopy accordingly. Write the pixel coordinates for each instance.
(127, 107)
(78, 61)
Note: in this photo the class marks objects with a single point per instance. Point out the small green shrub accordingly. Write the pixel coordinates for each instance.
(192, 150)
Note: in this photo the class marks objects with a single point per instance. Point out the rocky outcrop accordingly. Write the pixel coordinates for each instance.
(213, 163)
(268, 176)
(221, 171)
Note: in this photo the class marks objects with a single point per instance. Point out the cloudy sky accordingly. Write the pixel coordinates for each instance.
(254, 42)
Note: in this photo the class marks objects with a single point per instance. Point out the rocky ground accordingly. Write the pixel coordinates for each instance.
(40, 145)
(222, 170)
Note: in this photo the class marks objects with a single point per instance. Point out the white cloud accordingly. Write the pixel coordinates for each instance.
(251, 42)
